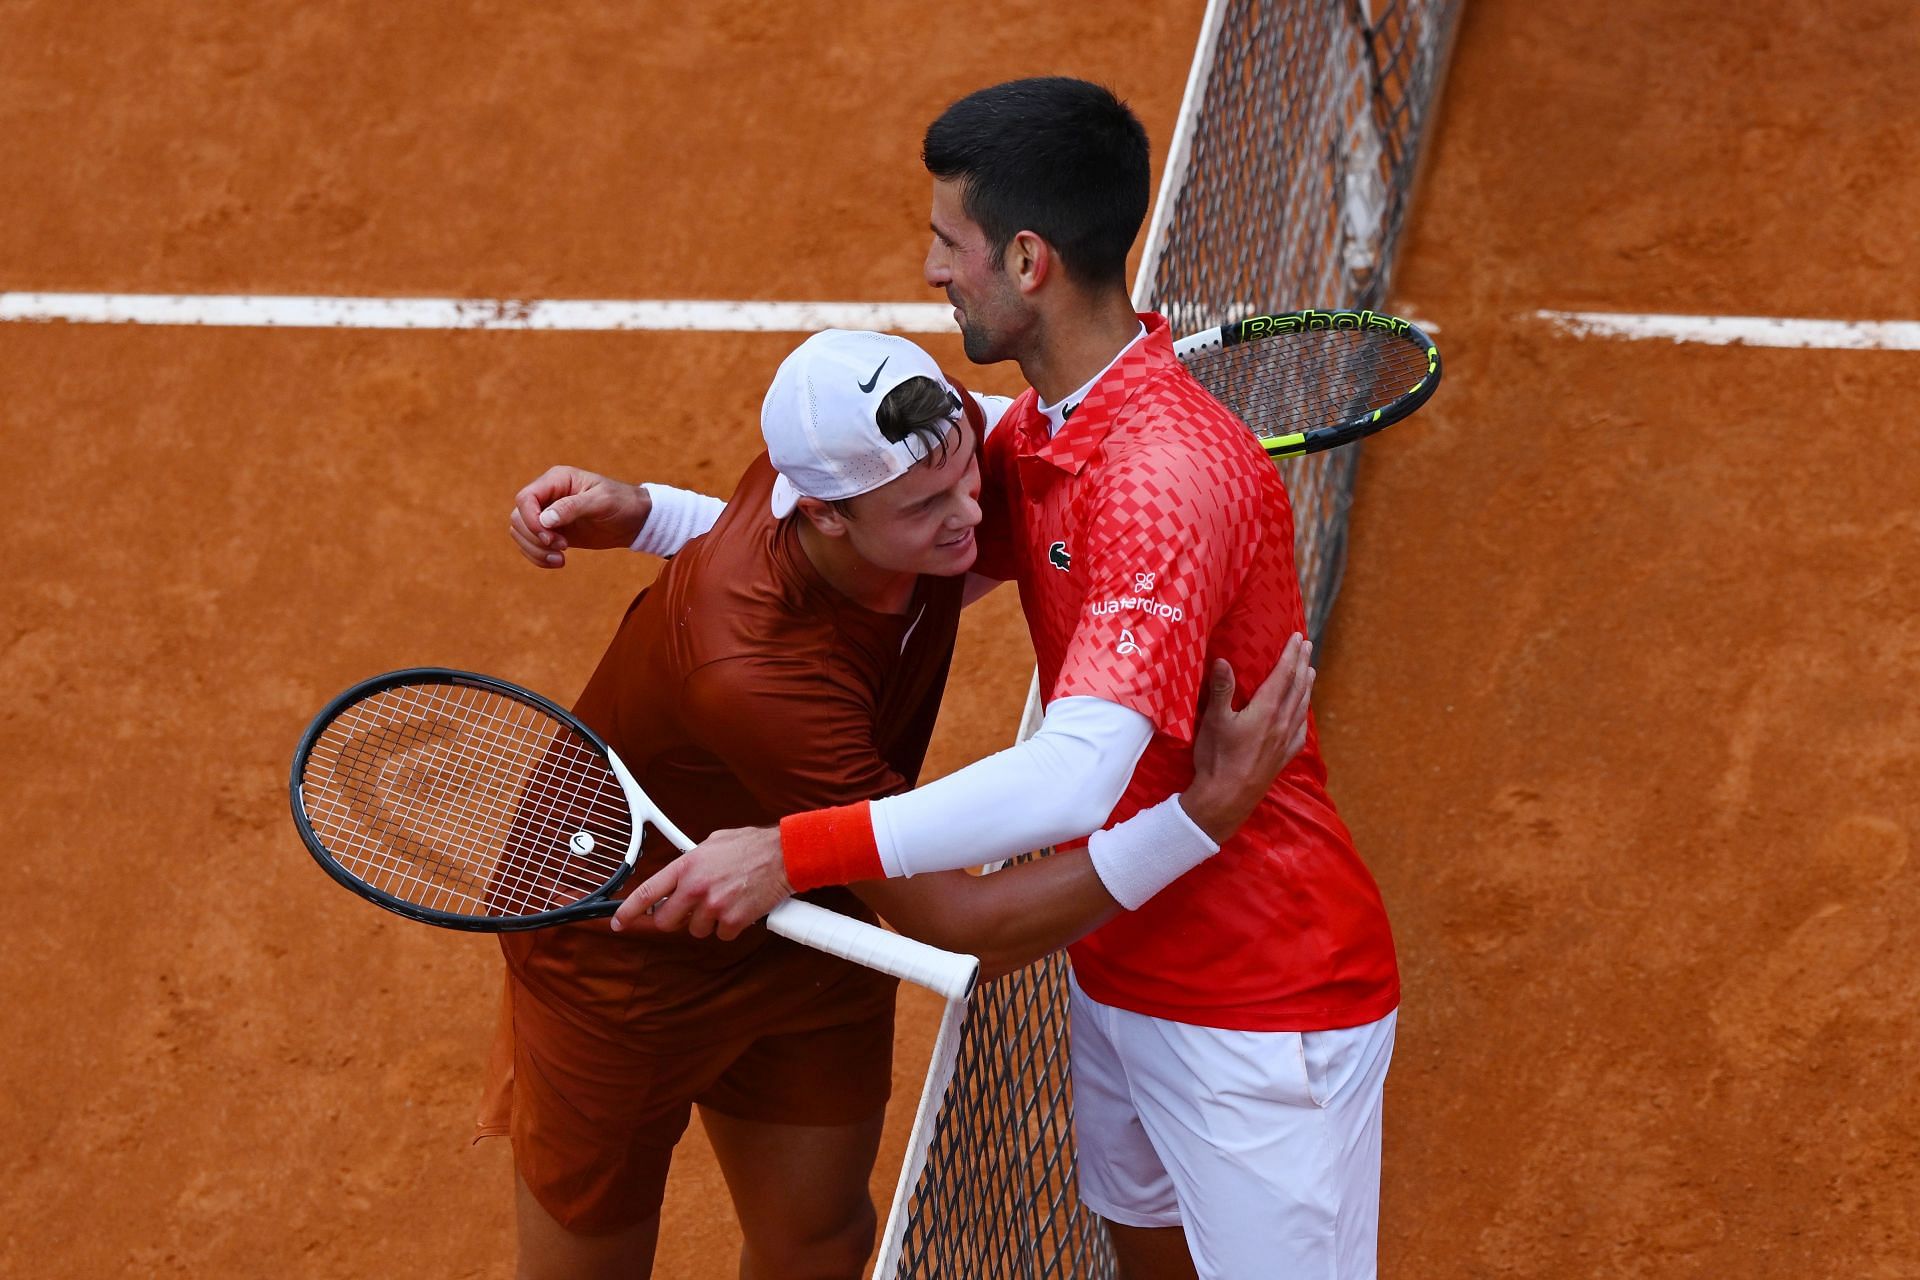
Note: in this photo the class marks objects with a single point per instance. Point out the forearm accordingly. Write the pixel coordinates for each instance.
(1009, 918)
(1012, 917)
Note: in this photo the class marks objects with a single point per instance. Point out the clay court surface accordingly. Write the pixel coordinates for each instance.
(1620, 698)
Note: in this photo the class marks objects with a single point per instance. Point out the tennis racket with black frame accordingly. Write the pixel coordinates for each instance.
(467, 802)
(1309, 381)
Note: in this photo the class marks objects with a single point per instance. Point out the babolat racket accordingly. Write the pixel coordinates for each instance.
(1309, 381)
(463, 801)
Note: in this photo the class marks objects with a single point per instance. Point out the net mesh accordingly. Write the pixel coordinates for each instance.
(1287, 187)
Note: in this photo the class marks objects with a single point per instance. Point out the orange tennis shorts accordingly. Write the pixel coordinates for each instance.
(596, 1065)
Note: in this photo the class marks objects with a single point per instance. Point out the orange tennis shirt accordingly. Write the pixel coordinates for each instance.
(1150, 536)
(742, 687)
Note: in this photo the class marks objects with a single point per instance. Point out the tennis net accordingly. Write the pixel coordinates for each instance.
(1286, 186)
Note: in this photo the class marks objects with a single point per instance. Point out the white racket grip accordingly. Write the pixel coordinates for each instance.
(950, 974)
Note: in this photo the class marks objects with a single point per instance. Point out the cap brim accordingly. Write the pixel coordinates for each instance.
(784, 498)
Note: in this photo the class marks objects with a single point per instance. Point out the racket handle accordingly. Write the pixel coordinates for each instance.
(950, 974)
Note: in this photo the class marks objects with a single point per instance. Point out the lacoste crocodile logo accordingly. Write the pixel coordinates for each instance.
(1057, 557)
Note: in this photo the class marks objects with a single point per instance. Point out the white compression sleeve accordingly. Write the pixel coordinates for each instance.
(1148, 852)
(678, 517)
(1057, 785)
(994, 408)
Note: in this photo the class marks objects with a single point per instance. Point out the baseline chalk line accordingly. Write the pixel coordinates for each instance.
(1752, 331)
(303, 312)
(608, 315)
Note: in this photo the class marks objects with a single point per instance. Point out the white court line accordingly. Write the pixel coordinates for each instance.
(315, 312)
(267, 311)
(1751, 331)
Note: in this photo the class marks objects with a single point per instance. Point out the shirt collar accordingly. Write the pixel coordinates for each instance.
(1080, 436)
(1057, 413)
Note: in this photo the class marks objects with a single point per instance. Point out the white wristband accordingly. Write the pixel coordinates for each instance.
(678, 517)
(1148, 852)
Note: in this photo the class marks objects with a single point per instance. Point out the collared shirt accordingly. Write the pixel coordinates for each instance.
(1149, 536)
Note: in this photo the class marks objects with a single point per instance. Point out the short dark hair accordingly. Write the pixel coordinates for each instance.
(1060, 157)
(920, 409)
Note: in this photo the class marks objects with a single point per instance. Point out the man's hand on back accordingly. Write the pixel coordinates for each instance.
(1238, 754)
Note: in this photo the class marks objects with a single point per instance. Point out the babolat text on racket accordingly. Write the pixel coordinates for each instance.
(467, 802)
(1307, 381)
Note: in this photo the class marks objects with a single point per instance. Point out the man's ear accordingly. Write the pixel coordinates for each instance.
(823, 517)
(1031, 260)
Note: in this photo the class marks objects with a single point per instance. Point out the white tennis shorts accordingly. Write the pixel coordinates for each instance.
(1264, 1145)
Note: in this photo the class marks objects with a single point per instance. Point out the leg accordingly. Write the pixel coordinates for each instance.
(1274, 1140)
(801, 1193)
(548, 1251)
(593, 1125)
(1151, 1253)
(795, 1122)
(1121, 1176)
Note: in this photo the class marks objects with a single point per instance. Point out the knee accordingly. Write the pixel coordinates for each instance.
(829, 1251)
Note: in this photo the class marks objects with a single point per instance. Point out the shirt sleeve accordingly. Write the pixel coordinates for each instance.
(794, 741)
(1165, 553)
(994, 408)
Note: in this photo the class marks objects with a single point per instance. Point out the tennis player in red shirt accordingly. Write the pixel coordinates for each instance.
(1231, 1035)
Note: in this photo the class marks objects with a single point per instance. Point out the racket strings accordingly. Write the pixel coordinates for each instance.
(1327, 378)
(510, 868)
(534, 875)
(407, 853)
(464, 800)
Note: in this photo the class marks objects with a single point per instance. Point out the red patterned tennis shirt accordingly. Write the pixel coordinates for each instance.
(1150, 536)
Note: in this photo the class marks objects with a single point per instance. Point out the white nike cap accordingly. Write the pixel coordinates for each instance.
(819, 415)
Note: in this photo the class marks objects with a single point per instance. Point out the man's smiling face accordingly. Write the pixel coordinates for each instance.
(923, 521)
(987, 304)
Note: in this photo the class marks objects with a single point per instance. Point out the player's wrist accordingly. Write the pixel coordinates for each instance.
(829, 846)
(1148, 852)
(638, 508)
(1213, 808)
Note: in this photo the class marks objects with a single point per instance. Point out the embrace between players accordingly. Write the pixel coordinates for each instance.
(1234, 986)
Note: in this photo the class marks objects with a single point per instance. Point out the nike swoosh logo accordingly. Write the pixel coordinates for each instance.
(866, 388)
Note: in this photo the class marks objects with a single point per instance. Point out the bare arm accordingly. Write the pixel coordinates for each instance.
(1009, 918)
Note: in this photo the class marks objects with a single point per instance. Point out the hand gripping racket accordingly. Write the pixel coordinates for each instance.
(1308, 381)
(466, 802)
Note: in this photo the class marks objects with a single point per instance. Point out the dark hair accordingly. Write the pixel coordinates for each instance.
(920, 409)
(1063, 158)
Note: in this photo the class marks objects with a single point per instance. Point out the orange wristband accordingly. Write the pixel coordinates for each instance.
(830, 846)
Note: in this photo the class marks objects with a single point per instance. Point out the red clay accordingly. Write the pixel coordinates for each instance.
(1619, 698)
